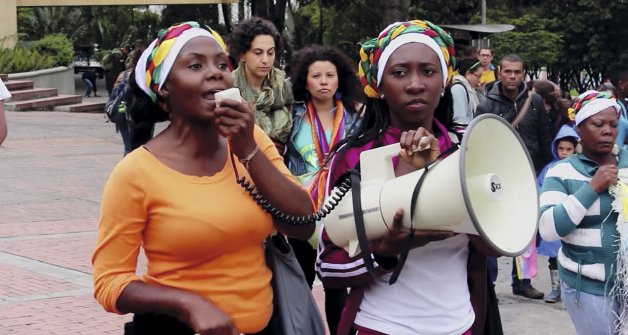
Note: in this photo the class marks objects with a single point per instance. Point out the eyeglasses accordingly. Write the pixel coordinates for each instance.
(475, 74)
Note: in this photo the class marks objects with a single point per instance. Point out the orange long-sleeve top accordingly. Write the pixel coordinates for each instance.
(200, 234)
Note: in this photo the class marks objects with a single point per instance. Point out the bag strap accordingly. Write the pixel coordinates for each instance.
(358, 215)
(465, 89)
(523, 110)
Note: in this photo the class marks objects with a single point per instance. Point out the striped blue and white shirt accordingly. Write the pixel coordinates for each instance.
(583, 220)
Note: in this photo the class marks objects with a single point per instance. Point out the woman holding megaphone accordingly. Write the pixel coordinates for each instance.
(443, 287)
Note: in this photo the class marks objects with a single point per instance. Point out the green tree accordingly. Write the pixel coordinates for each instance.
(203, 14)
(532, 40)
(35, 23)
(343, 24)
(591, 34)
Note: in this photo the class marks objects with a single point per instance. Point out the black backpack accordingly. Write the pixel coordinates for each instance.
(115, 108)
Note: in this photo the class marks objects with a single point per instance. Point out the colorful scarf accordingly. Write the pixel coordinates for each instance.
(590, 103)
(157, 60)
(371, 51)
(317, 184)
(273, 103)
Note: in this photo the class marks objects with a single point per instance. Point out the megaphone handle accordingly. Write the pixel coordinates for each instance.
(363, 240)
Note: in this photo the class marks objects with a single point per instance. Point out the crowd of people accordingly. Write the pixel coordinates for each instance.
(294, 135)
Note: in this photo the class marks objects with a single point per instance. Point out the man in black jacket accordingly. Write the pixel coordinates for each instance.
(506, 98)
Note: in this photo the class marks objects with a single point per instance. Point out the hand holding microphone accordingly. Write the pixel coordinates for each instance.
(235, 121)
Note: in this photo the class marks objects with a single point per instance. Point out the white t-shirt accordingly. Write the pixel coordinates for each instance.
(4, 93)
(431, 296)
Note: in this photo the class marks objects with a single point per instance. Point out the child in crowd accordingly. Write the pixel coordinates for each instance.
(564, 145)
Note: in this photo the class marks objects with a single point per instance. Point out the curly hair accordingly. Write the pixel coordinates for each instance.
(347, 79)
(245, 32)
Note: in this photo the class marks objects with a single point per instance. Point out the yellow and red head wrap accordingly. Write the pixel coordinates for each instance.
(592, 102)
(374, 54)
(156, 61)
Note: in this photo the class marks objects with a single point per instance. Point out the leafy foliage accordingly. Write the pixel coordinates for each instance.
(532, 40)
(105, 26)
(58, 47)
(203, 14)
(579, 42)
(23, 60)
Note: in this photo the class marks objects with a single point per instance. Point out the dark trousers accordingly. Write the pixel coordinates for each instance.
(151, 324)
(491, 264)
(334, 298)
(552, 263)
(518, 284)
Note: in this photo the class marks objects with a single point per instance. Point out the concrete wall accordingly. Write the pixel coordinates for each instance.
(61, 78)
(8, 24)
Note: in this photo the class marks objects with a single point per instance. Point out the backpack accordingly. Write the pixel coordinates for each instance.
(115, 108)
(465, 89)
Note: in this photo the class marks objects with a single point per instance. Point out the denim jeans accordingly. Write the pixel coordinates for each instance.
(125, 133)
(593, 314)
(89, 87)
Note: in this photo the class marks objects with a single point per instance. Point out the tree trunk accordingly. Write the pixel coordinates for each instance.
(279, 14)
(240, 10)
(393, 10)
(273, 10)
(226, 14)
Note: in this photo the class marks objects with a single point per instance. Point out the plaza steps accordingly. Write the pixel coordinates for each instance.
(42, 104)
(83, 107)
(33, 93)
(25, 97)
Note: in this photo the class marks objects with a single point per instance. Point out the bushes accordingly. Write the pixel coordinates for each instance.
(23, 60)
(50, 51)
(57, 46)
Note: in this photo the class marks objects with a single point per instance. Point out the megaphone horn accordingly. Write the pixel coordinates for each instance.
(486, 188)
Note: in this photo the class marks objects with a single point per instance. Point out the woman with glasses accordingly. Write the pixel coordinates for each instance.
(463, 90)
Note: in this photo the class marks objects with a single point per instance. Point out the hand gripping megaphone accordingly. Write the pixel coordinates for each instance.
(486, 188)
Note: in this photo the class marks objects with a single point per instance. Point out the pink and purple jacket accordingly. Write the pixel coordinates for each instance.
(337, 270)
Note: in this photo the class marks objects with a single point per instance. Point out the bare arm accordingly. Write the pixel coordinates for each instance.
(199, 314)
(3, 123)
(235, 122)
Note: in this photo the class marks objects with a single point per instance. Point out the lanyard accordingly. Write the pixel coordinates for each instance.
(318, 132)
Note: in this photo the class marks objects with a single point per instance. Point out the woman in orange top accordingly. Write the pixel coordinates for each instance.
(177, 197)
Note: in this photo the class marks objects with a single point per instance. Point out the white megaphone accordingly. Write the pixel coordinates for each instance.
(487, 188)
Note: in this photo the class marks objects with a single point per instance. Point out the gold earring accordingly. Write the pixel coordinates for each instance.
(615, 150)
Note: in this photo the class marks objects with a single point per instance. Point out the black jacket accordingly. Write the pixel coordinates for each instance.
(534, 129)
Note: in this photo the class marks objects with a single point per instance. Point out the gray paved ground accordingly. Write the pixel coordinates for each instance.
(52, 170)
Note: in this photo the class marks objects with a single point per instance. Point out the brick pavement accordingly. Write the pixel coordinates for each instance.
(52, 170)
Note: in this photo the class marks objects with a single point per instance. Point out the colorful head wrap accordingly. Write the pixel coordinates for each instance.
(156, 61)
(375, 53)
(590, 103)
